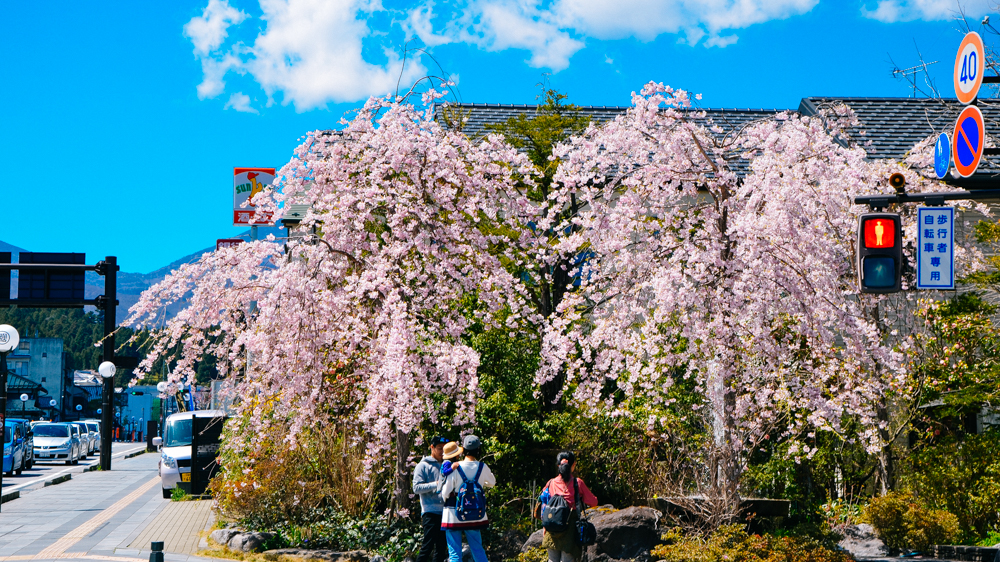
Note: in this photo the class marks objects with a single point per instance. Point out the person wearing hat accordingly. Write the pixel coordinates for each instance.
(427, 481)
(452, 526)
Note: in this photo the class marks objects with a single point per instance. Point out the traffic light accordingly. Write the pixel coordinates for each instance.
(880, 253)
(136, 393)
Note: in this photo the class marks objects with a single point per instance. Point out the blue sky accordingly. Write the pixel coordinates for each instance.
(122, 121)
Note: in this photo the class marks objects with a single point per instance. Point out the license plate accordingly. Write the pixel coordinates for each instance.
(43, 456)
(185, 477)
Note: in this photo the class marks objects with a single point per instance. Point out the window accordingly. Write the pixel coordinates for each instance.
(25, 346)
(43, 379)
(46, 430)
(178, 433)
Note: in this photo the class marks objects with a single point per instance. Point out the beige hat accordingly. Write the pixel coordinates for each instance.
(452, 450)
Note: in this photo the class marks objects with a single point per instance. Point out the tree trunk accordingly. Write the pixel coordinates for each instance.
(404, 443)
(886, 465)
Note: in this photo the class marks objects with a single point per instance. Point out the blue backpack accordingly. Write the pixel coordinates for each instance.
(470, 505)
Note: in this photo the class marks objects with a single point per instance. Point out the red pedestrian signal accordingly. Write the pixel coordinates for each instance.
(879, 233)
(880, 253)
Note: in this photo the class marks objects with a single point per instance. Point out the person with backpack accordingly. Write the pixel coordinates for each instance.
(465, 502)
(559, 507)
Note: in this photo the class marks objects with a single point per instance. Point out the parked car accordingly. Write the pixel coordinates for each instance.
(86, 443)
(95, 433)
(55, 441)
(13, 449)
(29, 441)
(175, 447)
(81, 445)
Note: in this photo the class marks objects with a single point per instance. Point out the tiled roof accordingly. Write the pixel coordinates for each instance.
(476, 117)
(893, 125)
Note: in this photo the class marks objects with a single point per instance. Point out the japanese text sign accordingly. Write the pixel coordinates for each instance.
(936, 248)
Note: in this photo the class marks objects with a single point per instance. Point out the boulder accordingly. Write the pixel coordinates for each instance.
(506, 546)
(626, 534)
(378, 558)
(222, 536)
(534, 541)
(302, 555)
(249, 542)
(467, 553)
(862, 541)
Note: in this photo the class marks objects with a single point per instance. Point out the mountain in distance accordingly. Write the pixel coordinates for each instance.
(131, 285)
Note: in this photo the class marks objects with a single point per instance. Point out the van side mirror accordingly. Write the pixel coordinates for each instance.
(157, 441)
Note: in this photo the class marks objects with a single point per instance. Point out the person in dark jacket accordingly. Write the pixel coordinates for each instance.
(427, 481)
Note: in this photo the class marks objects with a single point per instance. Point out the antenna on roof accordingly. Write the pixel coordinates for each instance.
(910, 74)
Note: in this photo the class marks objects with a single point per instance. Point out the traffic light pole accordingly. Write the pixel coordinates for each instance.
(110, 305)
(934, 199)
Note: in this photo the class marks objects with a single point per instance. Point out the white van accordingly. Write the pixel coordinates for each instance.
(175, 447)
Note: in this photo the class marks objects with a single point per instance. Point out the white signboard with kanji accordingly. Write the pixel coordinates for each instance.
(248, 182)
(936, 248)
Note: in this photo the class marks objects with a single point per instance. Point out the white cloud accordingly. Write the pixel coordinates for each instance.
(313, 52)
(891, 11)
(209, 31)
(554, 32)
(240, 102)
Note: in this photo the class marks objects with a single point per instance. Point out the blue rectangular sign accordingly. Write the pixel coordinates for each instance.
(936, 248)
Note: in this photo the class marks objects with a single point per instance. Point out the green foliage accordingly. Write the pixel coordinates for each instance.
(539, 134)
(962, 476)
(903, 522)
(178, 495)
(731, 543)
(328, 528)
(961, 364)
(533, 555)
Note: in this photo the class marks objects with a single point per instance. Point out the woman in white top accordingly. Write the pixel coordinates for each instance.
(450, 523)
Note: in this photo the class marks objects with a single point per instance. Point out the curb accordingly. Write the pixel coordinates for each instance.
(58, 480)
(135, 454)
(10, 496)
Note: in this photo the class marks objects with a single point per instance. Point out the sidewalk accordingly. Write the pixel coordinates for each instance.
(103, 516)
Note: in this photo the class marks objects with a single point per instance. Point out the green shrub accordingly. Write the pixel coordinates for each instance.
(731, 543)
(533, 555)
(903, 522)
(962, 476)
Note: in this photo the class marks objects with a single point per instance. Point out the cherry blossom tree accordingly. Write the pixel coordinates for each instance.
(745, 283)
(364, 317)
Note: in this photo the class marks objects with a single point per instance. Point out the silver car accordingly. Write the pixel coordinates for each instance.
(81, 444)
(86, 441)
(55, 442)
(94, 427)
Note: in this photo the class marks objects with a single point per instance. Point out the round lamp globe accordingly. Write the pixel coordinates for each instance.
(24, 398)
(9, 338)
(107, 369)
(161, 386)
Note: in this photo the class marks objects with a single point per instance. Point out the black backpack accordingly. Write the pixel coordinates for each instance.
(555, 514)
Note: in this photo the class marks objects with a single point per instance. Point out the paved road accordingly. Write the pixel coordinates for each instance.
(105, 516)
(46, 471)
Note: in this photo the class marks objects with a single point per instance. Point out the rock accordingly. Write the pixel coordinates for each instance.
(222, 536)
(467, 554)
(861, 541)
(507, 546)
(249, 542)
(534, 541)
(302, 554)
(378, 558)
(625, 534)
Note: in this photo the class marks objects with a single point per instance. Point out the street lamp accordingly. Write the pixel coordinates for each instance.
(107, 371)
(161, 387)
(24, 402)
(9, 339)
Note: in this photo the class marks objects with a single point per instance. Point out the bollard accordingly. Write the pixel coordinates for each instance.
(157, 551)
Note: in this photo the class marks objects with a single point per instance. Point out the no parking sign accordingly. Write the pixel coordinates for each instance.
(968, 140)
